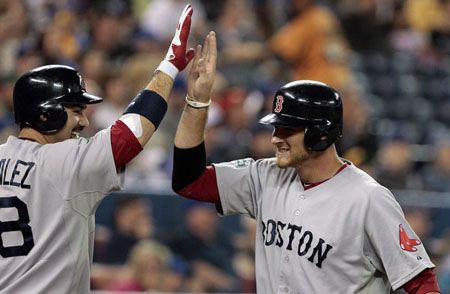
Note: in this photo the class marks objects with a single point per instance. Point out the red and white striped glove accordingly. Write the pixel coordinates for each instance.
(177, 58)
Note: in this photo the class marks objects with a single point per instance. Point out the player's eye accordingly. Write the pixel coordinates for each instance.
(77, 109)
(284, 132)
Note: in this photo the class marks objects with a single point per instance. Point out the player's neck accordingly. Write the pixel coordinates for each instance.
(33, 135)
(320, 167)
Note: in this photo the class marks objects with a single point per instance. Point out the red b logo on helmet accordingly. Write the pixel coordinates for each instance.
(278, 104)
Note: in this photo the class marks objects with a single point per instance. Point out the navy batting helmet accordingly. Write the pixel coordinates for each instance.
(310, 104)
(40, 95)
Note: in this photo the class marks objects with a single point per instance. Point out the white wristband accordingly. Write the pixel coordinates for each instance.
(197, 104)
(168, 68)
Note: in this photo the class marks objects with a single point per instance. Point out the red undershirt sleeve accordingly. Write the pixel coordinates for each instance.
(424, 282)
(125, 145)
(204, 188)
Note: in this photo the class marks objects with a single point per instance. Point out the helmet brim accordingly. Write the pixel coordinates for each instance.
(284, 121)
(75, 98)
(90, 99)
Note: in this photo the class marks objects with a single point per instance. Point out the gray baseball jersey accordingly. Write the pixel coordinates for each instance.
(346, 235)
(48, 197)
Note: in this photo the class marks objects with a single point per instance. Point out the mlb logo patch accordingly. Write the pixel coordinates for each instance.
(242, 162)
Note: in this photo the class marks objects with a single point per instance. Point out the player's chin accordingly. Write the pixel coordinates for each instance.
(282, 161)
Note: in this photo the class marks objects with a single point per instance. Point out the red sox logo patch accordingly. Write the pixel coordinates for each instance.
(406, 243)
(278, 104)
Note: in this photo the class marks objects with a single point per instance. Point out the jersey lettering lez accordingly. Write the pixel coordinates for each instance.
(48, 197)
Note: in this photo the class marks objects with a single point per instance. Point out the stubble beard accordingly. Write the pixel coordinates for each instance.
(285, 162)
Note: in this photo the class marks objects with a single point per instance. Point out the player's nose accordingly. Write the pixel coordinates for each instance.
(84, 121)
(276, 139)
(276, 135)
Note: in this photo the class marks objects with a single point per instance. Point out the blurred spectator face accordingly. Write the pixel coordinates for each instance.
(395, 156)
(106, 32)
(149, 269)
(6, 93)
(13, 18)
(202, 221)
(442, 160)
(50, 43)
(261, 146)
(27, 61)
(232, 103)
(134, 218)
(59, 41)
(232, 13)
(355, 115)
(237, 118)
(93, 65)
(149, 262)
(117, 92)
(419, 221)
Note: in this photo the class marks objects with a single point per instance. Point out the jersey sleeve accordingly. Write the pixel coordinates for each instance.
(395, 247)
(85, 166)
(237, 182)
(125, 145)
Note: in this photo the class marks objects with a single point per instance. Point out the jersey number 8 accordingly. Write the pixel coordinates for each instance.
(21, 225)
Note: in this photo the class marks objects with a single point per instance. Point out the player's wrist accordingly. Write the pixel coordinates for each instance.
(196, 103)
(168, 68)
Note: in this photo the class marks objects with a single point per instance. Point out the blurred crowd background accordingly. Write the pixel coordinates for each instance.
(390, 60)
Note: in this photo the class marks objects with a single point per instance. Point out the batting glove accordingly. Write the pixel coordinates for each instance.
(177, 58)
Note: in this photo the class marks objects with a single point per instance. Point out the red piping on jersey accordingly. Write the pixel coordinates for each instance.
(204, 188)
(423, 283)
(125, 145)
(307, 186)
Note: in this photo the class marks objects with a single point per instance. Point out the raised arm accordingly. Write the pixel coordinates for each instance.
(191, 127)
(143, 115)
(190, 177)
(151, 103)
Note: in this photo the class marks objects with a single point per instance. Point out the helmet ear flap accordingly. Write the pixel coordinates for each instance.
(317, 139)
(50, 120)
(320, 138)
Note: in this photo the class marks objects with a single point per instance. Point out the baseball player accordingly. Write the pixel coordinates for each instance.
(52, 181)
(323, 225)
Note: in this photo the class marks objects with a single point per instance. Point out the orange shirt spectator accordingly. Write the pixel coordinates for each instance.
(313, 43)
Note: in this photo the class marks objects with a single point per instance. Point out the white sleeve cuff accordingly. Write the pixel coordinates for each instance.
(168, 68)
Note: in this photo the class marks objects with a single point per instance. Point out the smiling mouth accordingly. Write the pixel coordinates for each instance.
(282, 150)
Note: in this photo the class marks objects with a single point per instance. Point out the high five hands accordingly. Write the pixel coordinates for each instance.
(203, 71)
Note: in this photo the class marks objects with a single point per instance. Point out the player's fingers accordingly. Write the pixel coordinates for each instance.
(190, 54)
(205, 46)
(201, 65)
(184, 30)
(187, 11)
(198, 54)
(193, 74)
(211, 57)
